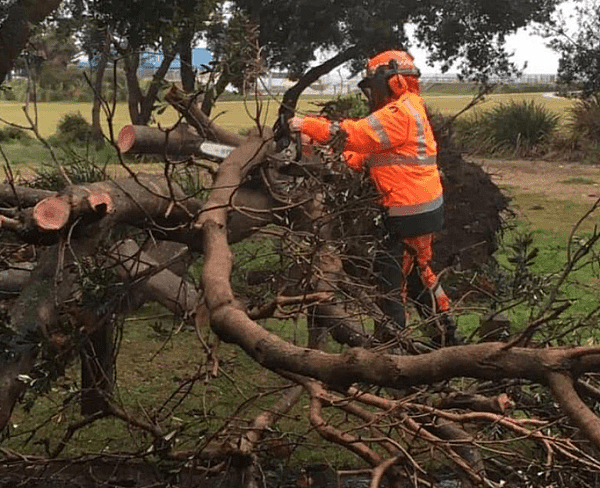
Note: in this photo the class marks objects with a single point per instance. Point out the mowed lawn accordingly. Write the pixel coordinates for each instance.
(239, 116)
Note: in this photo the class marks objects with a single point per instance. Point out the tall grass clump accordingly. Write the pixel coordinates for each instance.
(581, 141)
(584, 117)
(80, 169)
(515, 128)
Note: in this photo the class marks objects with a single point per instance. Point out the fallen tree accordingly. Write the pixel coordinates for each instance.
(401, 405)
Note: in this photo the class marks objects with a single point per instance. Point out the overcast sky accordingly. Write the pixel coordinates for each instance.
(526, 46)
(531, 48)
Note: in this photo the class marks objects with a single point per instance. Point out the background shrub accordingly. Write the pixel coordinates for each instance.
(343, 107)
(584, 118)
(514, 127)
(73, 128)
(14, 134)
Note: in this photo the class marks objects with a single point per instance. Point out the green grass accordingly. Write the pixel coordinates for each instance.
(551, 223)
(557, 217)
(156, 357)
(451, 104)
(234, 115)
(578, 180)
(237, 116)
(240, 115)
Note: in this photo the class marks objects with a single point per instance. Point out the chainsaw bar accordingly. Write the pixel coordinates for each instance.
(215, 150)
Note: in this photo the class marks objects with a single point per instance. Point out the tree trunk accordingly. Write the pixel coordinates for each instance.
(188, 73)
(99, 70)
(97, 369)
(151, 96)
(140, 105)
(214, 91)
(290, 97)
(134, 93)
(16, 28)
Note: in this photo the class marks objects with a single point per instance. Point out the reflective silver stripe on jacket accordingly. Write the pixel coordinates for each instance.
(421, 156)
(421, 139)
(398, 159)
(375, 124)
(416, 209)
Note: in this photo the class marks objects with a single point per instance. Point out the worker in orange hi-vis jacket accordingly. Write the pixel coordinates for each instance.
(395, 142)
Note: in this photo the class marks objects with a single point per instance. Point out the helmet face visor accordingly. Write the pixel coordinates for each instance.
(375, 89)
(365, 86)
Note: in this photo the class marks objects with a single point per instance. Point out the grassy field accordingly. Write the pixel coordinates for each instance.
(237, 116)
(240, 115)
(550, 223)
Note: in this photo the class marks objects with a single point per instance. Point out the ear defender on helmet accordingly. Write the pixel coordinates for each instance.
(380, 86)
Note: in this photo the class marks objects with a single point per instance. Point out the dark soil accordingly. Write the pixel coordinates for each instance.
(474, 210)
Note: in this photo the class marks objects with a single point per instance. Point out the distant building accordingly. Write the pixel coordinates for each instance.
(277, 82)
(150, 62)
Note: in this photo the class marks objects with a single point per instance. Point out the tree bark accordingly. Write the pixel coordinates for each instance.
(188, 74)
(99, 70)
(16, 28)
(21, 196)
(141, 139)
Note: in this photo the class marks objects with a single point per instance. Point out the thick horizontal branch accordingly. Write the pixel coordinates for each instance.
(141, 139)
(138, 201)
(158, 284)
(21, 196)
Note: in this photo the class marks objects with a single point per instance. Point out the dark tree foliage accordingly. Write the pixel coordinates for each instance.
(579, 61)
(474, 32)
(468, 33)
(232, 38)
(16, 20)
(154, 23)
(170, 27)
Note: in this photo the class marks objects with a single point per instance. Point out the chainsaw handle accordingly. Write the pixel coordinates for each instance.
(283, 134)
(298, 141)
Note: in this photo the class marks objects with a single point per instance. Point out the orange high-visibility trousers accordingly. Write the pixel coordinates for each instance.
(405, 273)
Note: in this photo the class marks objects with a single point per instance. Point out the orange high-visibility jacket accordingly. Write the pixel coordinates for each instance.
(397, 145)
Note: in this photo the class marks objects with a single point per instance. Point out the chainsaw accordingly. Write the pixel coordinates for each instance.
(289, 147)
(286, 145)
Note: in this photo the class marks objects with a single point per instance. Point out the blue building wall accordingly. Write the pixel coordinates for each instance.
(150, 61)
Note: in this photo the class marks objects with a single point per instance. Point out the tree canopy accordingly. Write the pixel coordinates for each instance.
(468, 33)
(579, 48)
(310, 38)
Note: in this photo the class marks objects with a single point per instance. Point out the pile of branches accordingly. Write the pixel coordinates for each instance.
(514, 406)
